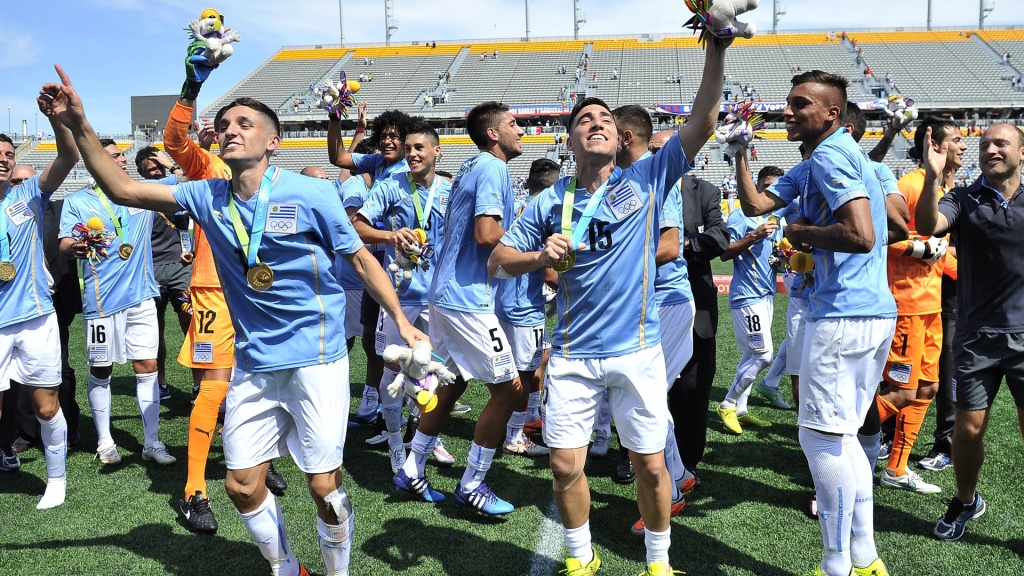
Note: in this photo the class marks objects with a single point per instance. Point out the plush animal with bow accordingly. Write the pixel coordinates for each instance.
(210, 46)
(900, 111)
(413, 256)
(97, 239)
(420, 376)
(718, 17)
(335, 98)
(739, 129)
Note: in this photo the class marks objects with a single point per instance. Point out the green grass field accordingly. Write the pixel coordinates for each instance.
(748, 518)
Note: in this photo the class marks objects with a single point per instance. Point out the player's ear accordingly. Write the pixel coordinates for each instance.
(273, 143)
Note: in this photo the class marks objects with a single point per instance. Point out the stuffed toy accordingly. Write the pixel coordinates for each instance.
(900, 111)
(739, 129)
(335, 99)
(211, 45)
(413, 256)
(420, 374)
(719, 18)
(96, 238)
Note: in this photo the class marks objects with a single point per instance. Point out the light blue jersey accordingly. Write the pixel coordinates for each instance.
(606, 300)
(846, 285)
(886, 179)
(787, 187)
(482, 187)
(798, 285)
(113, 284)
(300, 320)
(672, 284)
(521, 299)
(753, 279)
(27, 295)
(352, 192)
(391, 202)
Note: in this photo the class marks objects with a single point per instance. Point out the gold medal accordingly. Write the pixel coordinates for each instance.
(7, 271)
(260, 277)
(125, 251)
(565, 263)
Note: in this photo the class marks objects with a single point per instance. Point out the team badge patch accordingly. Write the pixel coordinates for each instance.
(755, 341)
(98, 353)
(899, 372)
(19, 212)
(380, 343)
(444, 204)
(502, 364)
(283, 218)
(202, 352)
(134, 211)
(623, 201)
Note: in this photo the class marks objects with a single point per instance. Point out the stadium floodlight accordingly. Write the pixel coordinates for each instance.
(984, 8)
(341, 21)
(778, 11)
(579, 19)
(390, 23)
(527, 20)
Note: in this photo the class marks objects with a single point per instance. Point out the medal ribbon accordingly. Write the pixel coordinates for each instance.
(259, 217)
(568, 203)
(119, 227)
(415, 189)
(5, 243)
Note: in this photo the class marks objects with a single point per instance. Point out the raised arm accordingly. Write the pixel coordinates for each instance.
(743, 244)
(882, 148)
(67, 154)
(341, 157)
(752, 202)
(61, 103)
(927, 218)
(704, 115)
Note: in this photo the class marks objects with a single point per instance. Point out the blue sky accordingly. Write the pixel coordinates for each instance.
(114, 49)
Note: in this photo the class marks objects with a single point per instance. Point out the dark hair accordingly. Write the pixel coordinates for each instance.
(444, 174)
(635, 119)
(256, 105)
(104, 142)
(936, 123)
(481, 118)
(583, 104)
(853, 115)
(7, 139)
(144, 154)
(421, 127)
(768, 171)
(840, 83)
(543, 174)
(366, 147)
(400, 121)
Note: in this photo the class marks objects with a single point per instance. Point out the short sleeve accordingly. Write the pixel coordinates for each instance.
(887, 179)
(68, 217)
(949, 206)
(530, 230)
(737, 226)
(367, 163)
(333, 223)
(187, 195)
(491, 185)
(838, 180)
(786, 187)
(352, 192)
(672, 211)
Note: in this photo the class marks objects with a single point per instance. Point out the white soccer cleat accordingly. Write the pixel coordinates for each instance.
(108, 454)
(56, 490)
(158, 453)
(443, 457)
(600, 447)
(526, 447)
(910, 481)
(397, 458)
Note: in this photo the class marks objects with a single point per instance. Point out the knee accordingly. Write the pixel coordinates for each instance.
(238, 493)
(145, 366)
(968, 428)
(567, 468)
(47, 411)
(927, 390)
(322, 485)
(649, 468)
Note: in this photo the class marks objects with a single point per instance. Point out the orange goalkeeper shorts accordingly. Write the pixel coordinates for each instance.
(915, 350)
(210, 342)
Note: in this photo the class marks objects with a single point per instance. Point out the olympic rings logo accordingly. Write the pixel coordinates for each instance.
(281, 225)
(203, 358)
(629, 206)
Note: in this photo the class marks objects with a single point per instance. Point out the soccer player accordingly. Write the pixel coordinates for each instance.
(600, 232)
(118, 307)
(464, 329)
(751, 299)
(982, 220)
(30, 351)
(406, 202)
(279, 251)
(851, 317)
(915, 278)
(520, 311)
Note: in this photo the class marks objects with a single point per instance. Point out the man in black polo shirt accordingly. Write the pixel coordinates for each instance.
(985, 221)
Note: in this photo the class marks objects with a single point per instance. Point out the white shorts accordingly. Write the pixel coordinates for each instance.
(302, 411)
(796, 321)
(472, 345)
(676, 337)
(528, 344)
(387, 330)
(752, 326)
(130, 334)
(637, 394)
(842, 366)
(30, 353)
(353, 303)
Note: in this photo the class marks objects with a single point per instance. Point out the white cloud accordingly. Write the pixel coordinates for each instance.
(17, 48)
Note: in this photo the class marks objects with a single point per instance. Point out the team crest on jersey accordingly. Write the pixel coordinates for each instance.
(444, 204)
(135, 211)
(202, 352)
(899, 372)
(19, 212)
(623, 200)
(98, 353)
(283, 218)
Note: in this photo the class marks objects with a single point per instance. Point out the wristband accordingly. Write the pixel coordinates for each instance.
(360, 130)
(918, 249)
(190, 89)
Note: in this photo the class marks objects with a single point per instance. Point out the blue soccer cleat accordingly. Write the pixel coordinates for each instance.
(418, 486)
(483, 500)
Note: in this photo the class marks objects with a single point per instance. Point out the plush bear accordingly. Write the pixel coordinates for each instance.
(420, 374)
(211, 45)
(900, 111)
(413, 256)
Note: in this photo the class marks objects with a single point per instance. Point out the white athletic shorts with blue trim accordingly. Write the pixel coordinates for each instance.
(30, 353)
(353, 303)
(796, 321)
(528, 344)
(472, 345)
(752, 327)
(131, 334)
(676, 337)
(387, 330)
(301, 411)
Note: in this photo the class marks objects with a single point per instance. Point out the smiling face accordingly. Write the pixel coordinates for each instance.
(509, 135)
(1000, 152)
(811, 110)
(117, 155)
(593, 133)
(152, 170)
(6, 162)
(245, 136)
(421, 154)
(955, 151)
(391, 145)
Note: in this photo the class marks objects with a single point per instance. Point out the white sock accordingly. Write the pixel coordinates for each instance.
(778, 367)
(99, 403)
(673, 461)
(836, 487)
(391, 410)
(862, 540)
(421, 447)
(477, 465)
(336, 544)
(533, 407)
(657, 545)
(147, 391)
(604, 418)
(266, 527)
(54, 434)
(370, 400)
(514, 429)
(741, 403)
(578, 542)
(872, 446)
(56, 491)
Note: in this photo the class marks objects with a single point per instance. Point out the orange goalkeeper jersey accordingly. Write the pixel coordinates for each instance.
(916, 284)
(198, 164)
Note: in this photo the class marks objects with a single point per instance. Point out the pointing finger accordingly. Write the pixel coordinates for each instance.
(63, 76)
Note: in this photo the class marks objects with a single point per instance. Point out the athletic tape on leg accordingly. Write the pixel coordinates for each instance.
(563, 484)
(341, 504)
(252, 479)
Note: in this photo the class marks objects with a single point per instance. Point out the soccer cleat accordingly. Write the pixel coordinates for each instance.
(302, 571)
(198, 514)
(9, 463)
(573, 566)
(461, 408)
(20, 445)
(817, 572)
(883, 453)
(876, 568)
(749, 419)
(443, 457)
(380, 432)
(660, 569)
(108, 454)
(165, 392)
(275, 482)
(624, 473)
(953, 525)
(158, 453)
(410, 430)
(526, 447)
(728, 416)
(533, 427)
(600, 447)
(688, 485)
(677, 509)
(910, 481)
(483, 499)
(418, 486)
(366, 413)
(772, 395)
(935, 461)
(397, 458)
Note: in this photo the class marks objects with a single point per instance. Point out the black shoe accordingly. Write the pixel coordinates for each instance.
(410, 430)
(624, 473)
(276, 482)
(74, 440)
(697, 483)
(165, 392)
(195, 392)
(380, 433)
(198, 514)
